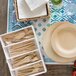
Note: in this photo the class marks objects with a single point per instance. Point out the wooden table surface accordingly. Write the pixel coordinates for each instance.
(53, 70)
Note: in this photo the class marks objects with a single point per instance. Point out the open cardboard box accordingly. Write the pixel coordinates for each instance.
(23, 12)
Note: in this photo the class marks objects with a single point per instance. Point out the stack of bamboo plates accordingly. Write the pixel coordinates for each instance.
(59, 42)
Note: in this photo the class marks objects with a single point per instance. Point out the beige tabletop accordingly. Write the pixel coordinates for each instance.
(53, 70)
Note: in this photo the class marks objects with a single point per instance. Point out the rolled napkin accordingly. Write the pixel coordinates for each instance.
(34, 4)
